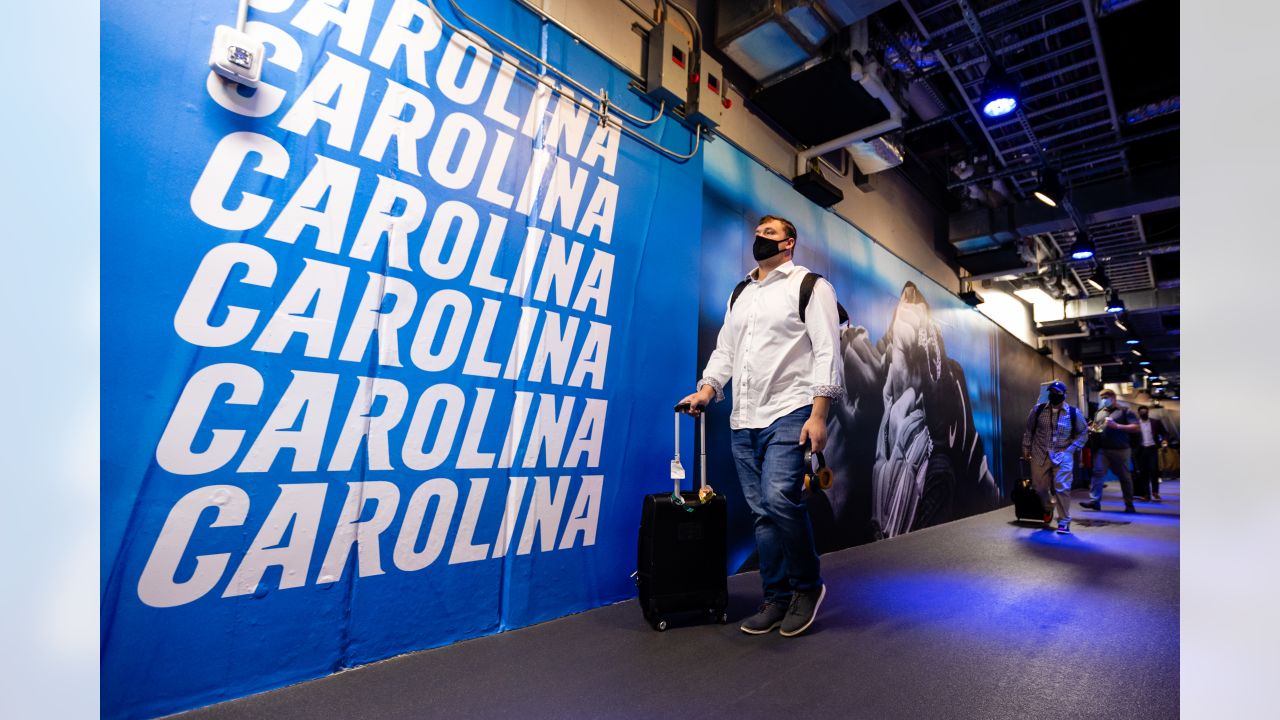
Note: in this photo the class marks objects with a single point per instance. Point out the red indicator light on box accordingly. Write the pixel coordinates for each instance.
(694, 79)
(728, 103)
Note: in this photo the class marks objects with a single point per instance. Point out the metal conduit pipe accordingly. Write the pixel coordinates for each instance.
(576, 36)
(551, 68)
(638, 11)
(693, 24)
(805, 156)
(877, 91)
(602, 112)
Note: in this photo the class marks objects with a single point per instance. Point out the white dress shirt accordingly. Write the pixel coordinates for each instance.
(778, 364)
(1148, 440)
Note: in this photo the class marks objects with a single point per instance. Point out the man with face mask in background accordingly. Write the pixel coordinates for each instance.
(1055, 431)
(1114, 423)
(786, 372)
(1146, 444)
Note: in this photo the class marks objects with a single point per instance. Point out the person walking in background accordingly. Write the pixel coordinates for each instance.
(786, 370)
(1169, 465)
(1112, 424)
(1055, 431)
(1146, 455)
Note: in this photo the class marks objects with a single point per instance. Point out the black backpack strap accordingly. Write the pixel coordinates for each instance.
(737, 290)
(806, 291)
(1035, 419)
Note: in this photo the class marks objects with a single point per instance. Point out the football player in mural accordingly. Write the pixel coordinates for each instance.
(783, 359)
(906, 405)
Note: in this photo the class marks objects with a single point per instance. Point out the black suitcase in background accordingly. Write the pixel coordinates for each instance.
(682, 555)
(1026, 501)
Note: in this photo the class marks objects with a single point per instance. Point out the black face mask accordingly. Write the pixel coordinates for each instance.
(764, 248)
(1056, 398)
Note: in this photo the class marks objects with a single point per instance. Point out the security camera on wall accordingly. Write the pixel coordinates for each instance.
(236, 56)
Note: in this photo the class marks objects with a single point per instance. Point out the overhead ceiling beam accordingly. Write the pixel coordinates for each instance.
(1138, 301)
(1102, 202)
(925, 36)
(1096, 37)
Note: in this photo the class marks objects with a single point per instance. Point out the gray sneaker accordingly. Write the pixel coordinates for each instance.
(769, 617)
(804, 608)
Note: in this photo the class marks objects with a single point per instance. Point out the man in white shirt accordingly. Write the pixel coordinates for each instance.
(786, 371)
(1146, 463)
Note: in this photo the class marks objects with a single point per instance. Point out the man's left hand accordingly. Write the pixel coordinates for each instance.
(815, 432)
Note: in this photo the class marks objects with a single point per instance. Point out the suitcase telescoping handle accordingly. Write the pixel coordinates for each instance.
(702, 449)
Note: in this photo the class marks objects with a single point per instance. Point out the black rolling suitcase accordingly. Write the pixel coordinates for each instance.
(682, 553)
(1026, 501)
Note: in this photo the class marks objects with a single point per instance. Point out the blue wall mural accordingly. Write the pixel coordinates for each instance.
(390, 344)
(378, 342)
(919, 439)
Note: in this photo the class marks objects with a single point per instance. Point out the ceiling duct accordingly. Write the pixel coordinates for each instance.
(1149, 191)
(1063, 330)
(878, 154)
(769, 37)
(766, 38)
(1005, 261)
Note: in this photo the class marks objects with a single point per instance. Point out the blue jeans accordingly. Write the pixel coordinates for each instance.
(770, 465)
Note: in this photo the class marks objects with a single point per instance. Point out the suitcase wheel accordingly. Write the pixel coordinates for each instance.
(659, 625)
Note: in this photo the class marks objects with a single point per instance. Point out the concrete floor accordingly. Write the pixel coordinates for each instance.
(979, 618)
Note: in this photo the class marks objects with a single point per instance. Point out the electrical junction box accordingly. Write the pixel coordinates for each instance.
(237, 56)
(669, 64)
(708, 93)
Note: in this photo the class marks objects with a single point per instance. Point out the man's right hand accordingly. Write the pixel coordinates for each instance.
(695, 402)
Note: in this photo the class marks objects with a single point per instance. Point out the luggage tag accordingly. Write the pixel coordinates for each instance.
(677, 476)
